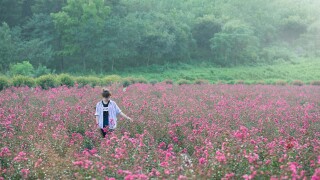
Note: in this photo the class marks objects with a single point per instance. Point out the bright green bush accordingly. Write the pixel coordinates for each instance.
(24, 69)
(65, 79)
(90, 80)
(20, 81)
(47, 81)
(94, 81)
(4, 83)
(111, 79)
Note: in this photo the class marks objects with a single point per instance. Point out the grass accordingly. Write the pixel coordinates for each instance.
(304, 70)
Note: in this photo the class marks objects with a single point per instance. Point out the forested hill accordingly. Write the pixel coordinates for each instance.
(107, 35)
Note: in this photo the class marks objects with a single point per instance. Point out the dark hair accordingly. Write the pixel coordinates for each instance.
(106, 93)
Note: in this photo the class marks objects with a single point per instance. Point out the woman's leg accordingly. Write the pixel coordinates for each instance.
(103, 133)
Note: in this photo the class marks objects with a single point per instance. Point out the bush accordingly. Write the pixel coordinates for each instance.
(24, 69)
(130, 80)
(153, 81)
(239, 82)
(183, 81)
(281, 83)
(141, 80)
(82, 81)
(65, 79)
(94, 81)
(47, 81)
(315, 83)
(261, 82)
(201, 81)
(168, 81)
(91, 81)
(19, 81)
(4, 83)
(297, 83)
(42, 70)
(111, 79)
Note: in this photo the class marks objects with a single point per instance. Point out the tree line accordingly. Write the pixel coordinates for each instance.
(108, 35)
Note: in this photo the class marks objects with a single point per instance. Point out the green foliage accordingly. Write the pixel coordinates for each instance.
(168, 81)
(201, 81)
(47, 81)
(19, 81)
(235, 44)
(65, 79)
(111, 79)
(89, 80)
(183, 81)
(297, 83)
(42, 70)
(24, 69)
(153, 81)
(315, 83)
(4, 83)
(99, 36)
(281, 83)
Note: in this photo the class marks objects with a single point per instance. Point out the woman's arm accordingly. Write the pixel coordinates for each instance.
(125, 116)
(97, 120)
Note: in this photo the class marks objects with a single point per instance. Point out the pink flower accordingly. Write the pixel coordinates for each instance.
(37, 164)
(202, 161)
(181, 177)
(221, 157)
(21, 157)
(25, 173)
(5, 152)
(164, 164)
(316, 174)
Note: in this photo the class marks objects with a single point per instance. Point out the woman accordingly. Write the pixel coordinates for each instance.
(106, 113)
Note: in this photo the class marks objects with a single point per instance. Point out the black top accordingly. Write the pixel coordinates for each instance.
(105, 114)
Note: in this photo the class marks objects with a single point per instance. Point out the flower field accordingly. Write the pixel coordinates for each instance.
(178, 132)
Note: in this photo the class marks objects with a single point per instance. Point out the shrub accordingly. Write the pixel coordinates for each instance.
(140, 80)
(261, 82)
(130, 80)
(90, 80)
(65, 79)
(201, 81)
(82, 81)
(42, 70)
(239, 82)
(168, 81)
(108, 80)
(24, 69)
(47, 81)
(4, 83)
(315, 83)
(183, 81)
(153, 81)
(297, 83)
(94, 81)
(281, 82)
(19, 81)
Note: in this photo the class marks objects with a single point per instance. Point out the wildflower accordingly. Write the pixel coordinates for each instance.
(25, 173)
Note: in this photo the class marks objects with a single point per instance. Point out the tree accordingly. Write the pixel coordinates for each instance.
(10, 12)
(7, 47)
(79, 26)
(235, 44)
